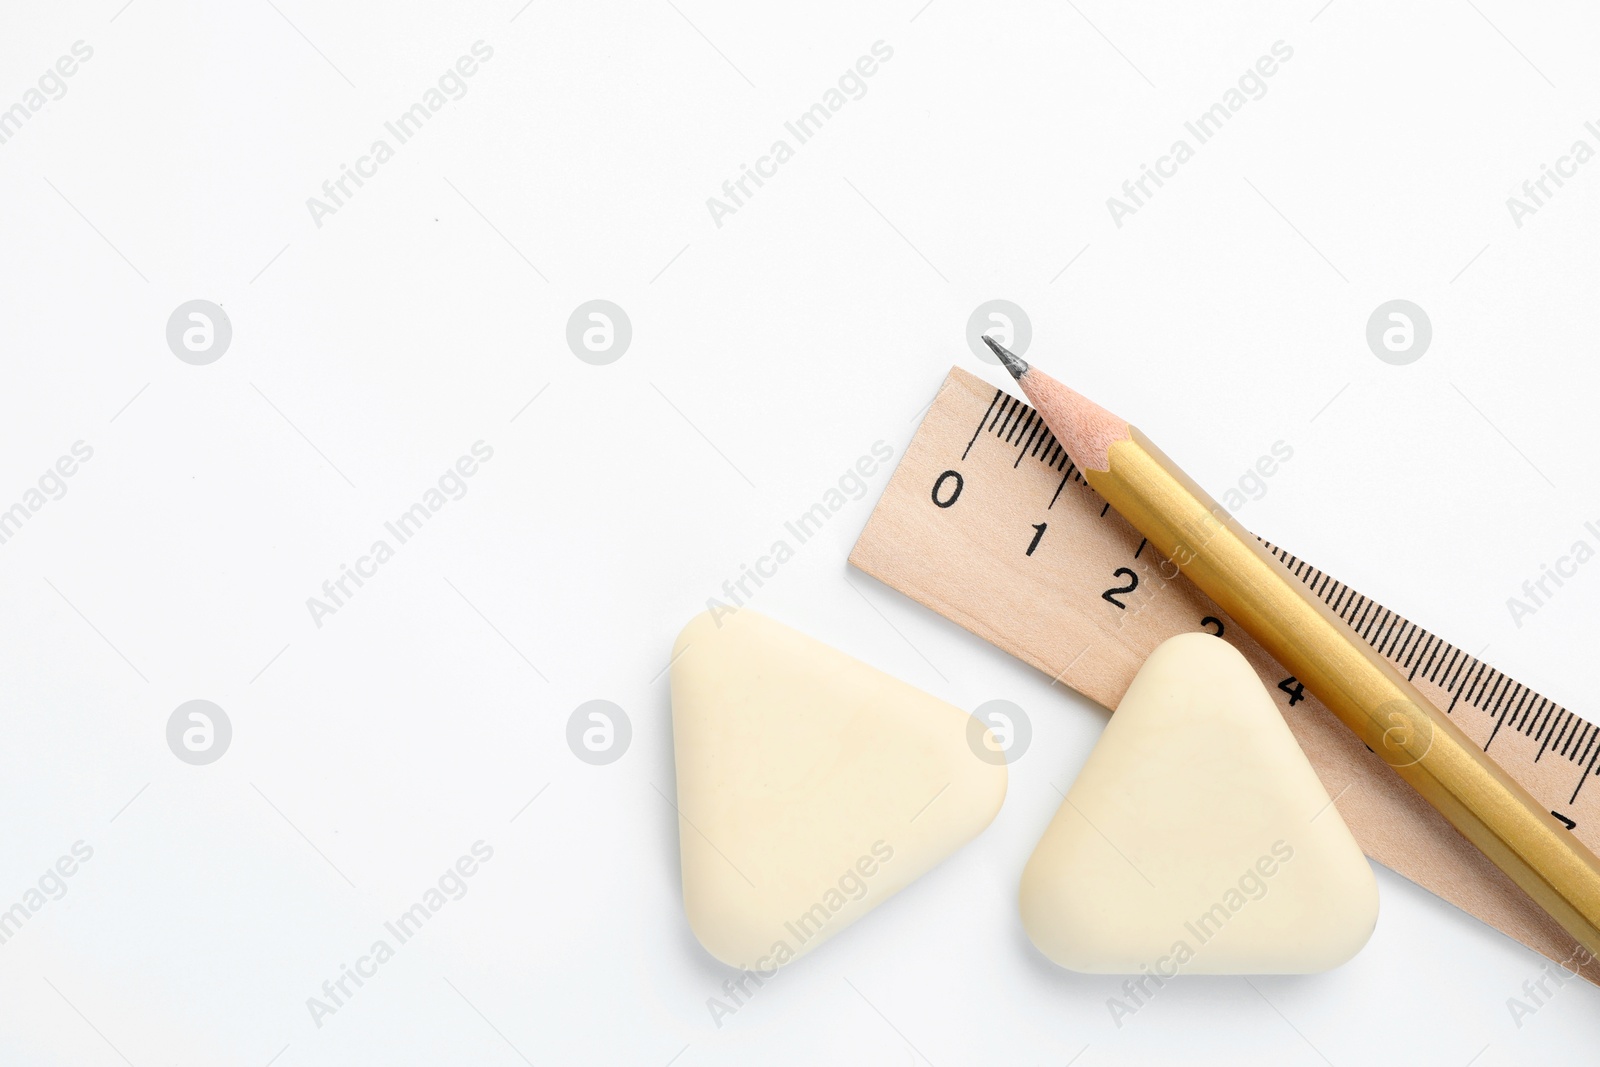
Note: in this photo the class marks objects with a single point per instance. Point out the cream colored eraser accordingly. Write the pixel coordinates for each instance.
(1197, 839)
(811, 787)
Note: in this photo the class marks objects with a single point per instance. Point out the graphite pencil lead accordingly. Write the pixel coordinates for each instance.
(1010, 360)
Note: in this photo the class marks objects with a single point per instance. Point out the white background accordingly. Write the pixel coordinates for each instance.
(768, 354)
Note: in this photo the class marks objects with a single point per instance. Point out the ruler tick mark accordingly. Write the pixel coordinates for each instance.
(993, 401)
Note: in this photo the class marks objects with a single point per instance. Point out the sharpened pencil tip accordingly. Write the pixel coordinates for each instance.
(1008, 359)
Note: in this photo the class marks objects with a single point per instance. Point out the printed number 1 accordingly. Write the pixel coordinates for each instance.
(1038, 534)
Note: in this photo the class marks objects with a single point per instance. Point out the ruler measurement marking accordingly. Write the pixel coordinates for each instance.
(1576, 727)
(1499, 722)
(1511, 714)
(1424, 648)
(1407, 652)
(1580, 749)
(1577, 732)
(1423, 641)
(1498, 694)
(1057, 496)
(1460, 688)
(1473, 690)
(992, 402)
(1473, 673)
(1502, 690)
(1584, 777)
(1011, 420)
(1031, 422)
(1558, 724)
(1445, 663)
(1579, 757)
(1488, 682)
(1411, 630)
(1432, 653)
(1519, 717)
(1002, 414)
(1525, 724)
(1489, 702)
(1025, 445)
(1542, 721)
(1007, 412)
(1386, 630)
(1463, 672)
(1549, 736)
(1531, 727)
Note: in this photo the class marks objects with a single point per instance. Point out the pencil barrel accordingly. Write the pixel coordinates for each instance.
(1361, 688)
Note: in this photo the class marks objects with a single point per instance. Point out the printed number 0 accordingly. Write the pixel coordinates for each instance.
(955, 494)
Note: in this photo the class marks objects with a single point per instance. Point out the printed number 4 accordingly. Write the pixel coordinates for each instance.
(1296, 691)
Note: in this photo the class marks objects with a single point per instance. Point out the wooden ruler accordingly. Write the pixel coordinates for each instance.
(988, 522)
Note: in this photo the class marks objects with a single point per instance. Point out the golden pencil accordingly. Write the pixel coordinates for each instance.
(1365, 691)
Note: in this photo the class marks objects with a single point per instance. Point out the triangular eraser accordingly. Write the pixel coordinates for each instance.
(1197, 838)
(811, 787)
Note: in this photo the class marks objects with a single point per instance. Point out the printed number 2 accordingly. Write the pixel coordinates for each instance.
(1111, 594)
(1038, 535)
(1296, 691)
